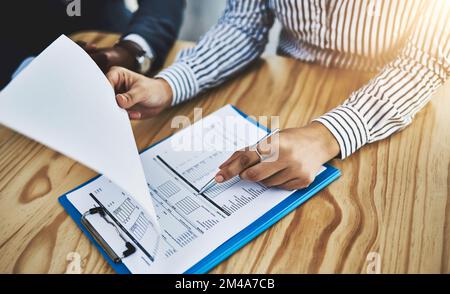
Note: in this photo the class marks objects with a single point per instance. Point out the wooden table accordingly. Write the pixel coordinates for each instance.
(392, 202)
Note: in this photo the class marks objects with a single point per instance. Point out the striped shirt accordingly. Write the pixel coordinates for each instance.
(407, 41)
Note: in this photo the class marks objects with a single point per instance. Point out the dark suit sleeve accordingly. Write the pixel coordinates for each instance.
(158, 22)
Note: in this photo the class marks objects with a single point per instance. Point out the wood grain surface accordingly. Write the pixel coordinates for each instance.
(393, 199)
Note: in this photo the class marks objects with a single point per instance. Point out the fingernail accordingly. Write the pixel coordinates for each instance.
(135, 115)
(219, 178)
(121, 97)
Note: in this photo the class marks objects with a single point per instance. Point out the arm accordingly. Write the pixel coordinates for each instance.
(239, 38)
(389, 102)
(158, 23)
(151, 33)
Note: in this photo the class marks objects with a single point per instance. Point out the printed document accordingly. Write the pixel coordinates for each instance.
(63, 100)
(192, 225)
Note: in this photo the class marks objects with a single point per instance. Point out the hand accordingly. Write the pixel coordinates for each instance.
(88, 47)
(142, 97)
(109, 57)
(301, 153)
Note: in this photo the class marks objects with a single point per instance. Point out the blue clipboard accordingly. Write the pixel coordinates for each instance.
(240, 239)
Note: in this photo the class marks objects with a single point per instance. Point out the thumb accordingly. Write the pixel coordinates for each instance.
(131, 97)
(121, 79)
(125, 83)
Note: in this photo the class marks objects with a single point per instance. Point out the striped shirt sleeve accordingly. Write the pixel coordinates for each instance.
(239, 37)
(389, 102)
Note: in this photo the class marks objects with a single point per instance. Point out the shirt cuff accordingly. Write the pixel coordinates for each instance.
(142, 43)
(182, 81)
(348, 127)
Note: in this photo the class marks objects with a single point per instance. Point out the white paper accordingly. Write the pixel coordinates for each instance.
(64, 101)
(192, 226)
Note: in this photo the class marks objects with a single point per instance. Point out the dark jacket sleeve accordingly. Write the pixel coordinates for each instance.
(158, 22)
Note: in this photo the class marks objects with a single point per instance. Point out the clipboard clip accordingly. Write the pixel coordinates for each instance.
(130, 248)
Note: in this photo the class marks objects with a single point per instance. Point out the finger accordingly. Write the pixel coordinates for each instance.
(130, 91)
(261, 171)
(232, 157)
(115, 77)
(85, 44)
(238, 165)
(293, 185)
(120, 78)
(102, 60)
(82, 44)
(297, 183)
(141, 112)
(134, 115)
(90, 47)
(279, 178)
(130, 98)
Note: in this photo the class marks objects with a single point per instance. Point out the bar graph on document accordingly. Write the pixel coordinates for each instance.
(174, 179)
(187, 205)
(124, 211)
(201, 171)
(198, 166)
(183, 215)
(179, 218)
(167, 189)
(229, 197)
(216, 190)
(140, 226)
(246, 194)
(242, 194)
(186, 217)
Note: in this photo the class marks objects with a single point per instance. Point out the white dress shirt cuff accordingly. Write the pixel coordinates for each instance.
(348, 127)
(141, 42)
(182, 81)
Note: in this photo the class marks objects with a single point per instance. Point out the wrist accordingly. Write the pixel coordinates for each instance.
(140, 61)
(326, 141)
(167, 90)
(125, 59)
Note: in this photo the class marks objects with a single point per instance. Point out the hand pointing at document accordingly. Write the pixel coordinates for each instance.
(140, 96)
(300, 154)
